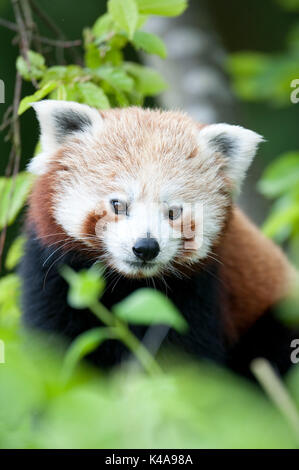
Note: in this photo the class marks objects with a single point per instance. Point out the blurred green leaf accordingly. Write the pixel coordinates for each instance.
(9, 285)
(258, 76)
(148, 307)
(13, 194)
(93, 95)
(92, 56)
(60, 93)
(121, 99)
(85, 287)
(55, 73)
(103, 25)
(125, 14)
(37, 96)
(65, 74)
(148, 81)
(9, 300)
(83, 345)
(281, 175)
(287, 309)
(278, 220)
(150, 43)
(247, 63)
(162, 7)
(116, 76)
(15, 252)
(66, 92)
(33, 68)
(292, 5)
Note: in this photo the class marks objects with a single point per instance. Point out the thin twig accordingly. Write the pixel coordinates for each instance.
(31, 26)
(47, 19)
(56, 30)
(8, 24)
(276, 390)
(15, 155)
(59, 43)
(24, 39)
(7, 118)
(24, 43)
(49, 41)
(16, 124)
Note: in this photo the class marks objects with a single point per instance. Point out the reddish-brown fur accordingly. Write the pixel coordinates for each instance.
(254, 270)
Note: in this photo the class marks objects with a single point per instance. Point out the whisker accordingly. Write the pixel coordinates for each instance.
(55, 261)
(53, 253)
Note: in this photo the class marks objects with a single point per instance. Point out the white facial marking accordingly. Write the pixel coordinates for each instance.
(145, 219)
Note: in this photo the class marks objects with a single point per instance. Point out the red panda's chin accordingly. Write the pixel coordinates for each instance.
(137, 270)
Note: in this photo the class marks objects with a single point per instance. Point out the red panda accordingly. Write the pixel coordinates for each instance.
(151, 194)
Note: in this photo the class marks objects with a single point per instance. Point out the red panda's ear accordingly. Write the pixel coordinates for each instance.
(60, 120)
(236, 144)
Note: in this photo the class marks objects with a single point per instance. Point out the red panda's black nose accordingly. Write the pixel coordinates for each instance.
(146, 248)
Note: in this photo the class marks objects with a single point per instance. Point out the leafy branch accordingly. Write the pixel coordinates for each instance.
(144, 306)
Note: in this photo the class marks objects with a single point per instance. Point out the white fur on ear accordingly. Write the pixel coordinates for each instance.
(237, 144)
(58, 121)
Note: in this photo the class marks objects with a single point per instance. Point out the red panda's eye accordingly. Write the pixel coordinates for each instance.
(119, 207)
(174, 212)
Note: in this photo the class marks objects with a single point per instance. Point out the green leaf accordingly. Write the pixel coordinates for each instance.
(148, 307)
(121, 99)
(83, 345)
(291, 5)
(9, 300)
(13, 194)
(61, 73)
(247, 64)
(15, 253)
(141, 21)
(150, 43)
(92, 56)
(115, 76)
(37, 96)
(61, 92)
(55, 73)
(148, 81)
(264, 77)
(72, 92)
(9, 286)
(73, 72)
(114, 57)
(279, 223)
(33, 68)
(287, 310)
(125, 14)
(103, 25)
(93, 95)
(162, 7)
(281, 175)
(86, 286)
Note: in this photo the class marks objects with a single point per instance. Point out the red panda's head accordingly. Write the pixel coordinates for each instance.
(147, 191)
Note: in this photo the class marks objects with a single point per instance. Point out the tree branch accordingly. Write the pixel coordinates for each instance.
(44, 40)
(27, 31)
(56, 30)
